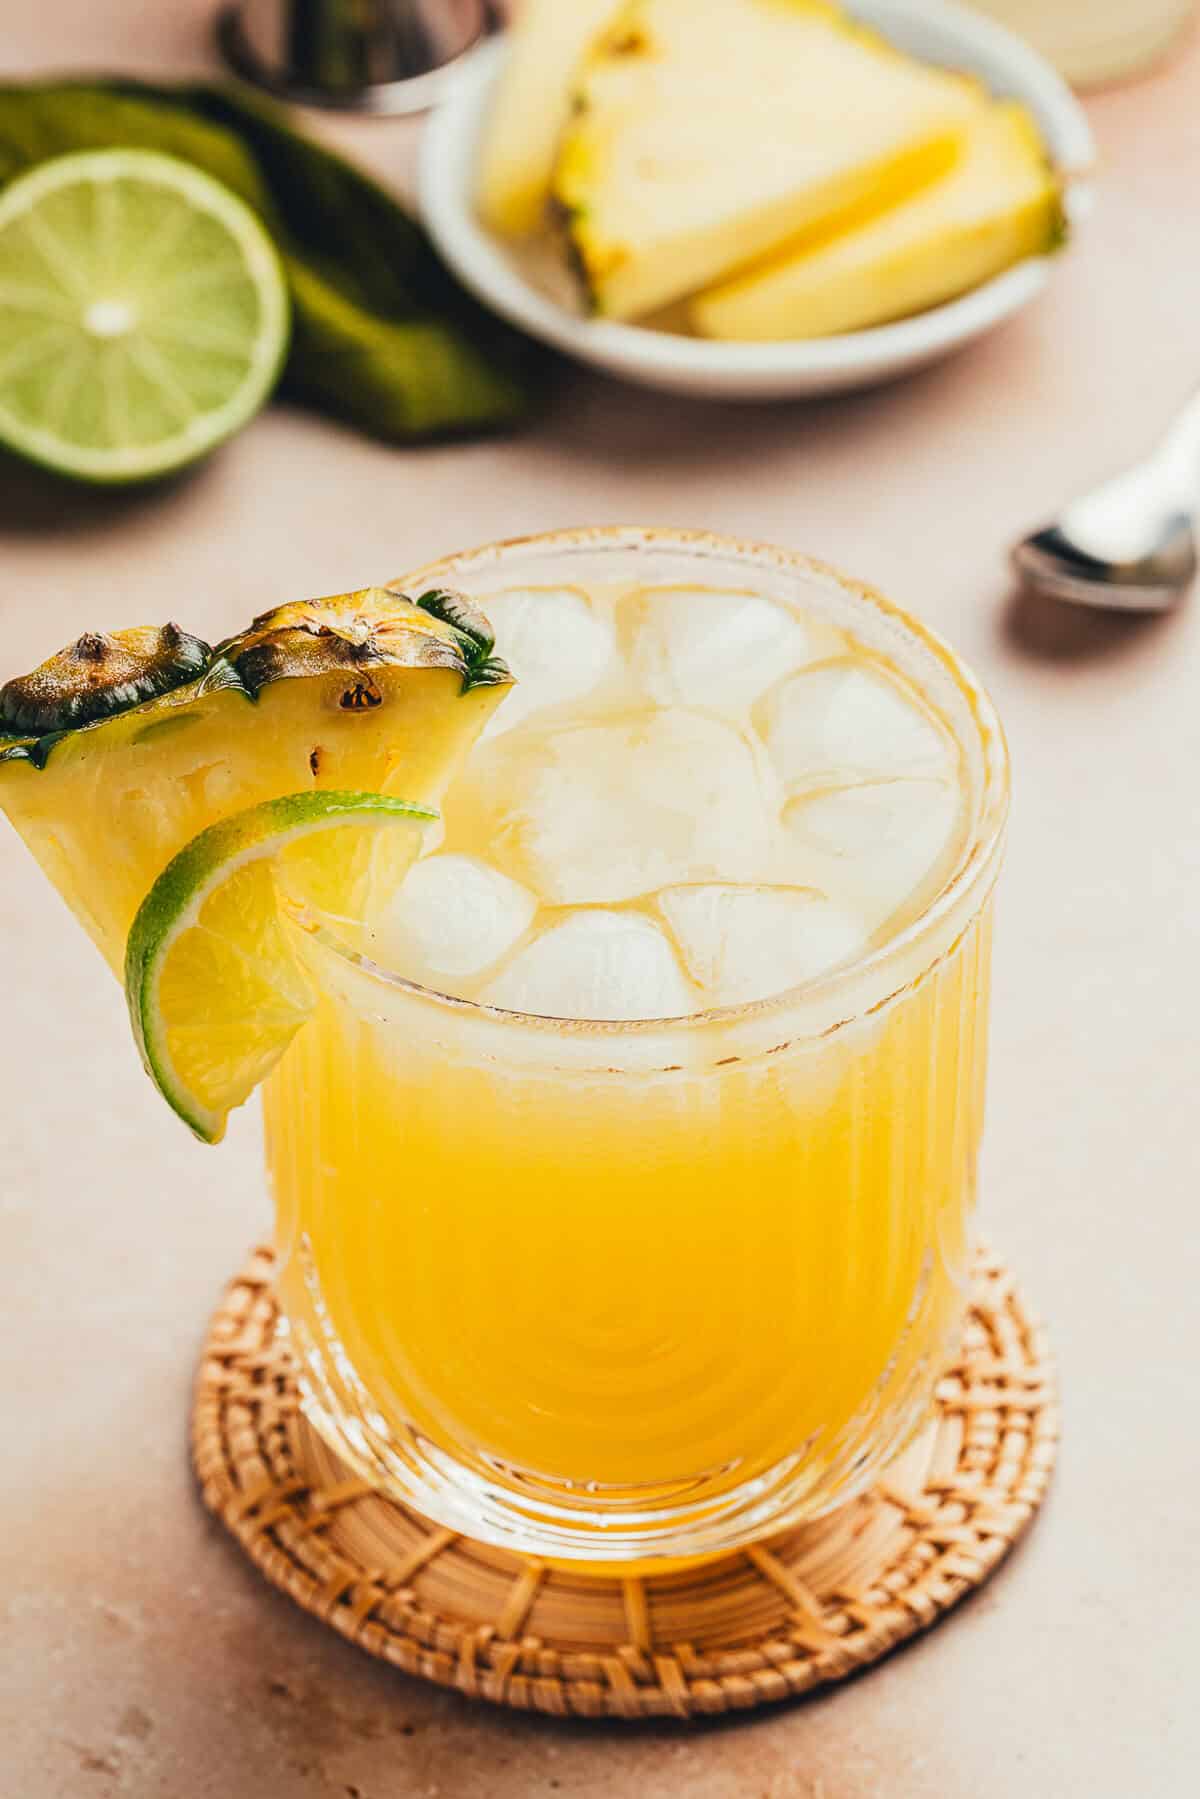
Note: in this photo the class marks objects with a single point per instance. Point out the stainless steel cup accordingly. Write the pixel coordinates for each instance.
(357, 55)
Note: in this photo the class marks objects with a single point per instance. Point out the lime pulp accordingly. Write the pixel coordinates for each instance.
(143, 314)
(212, 981)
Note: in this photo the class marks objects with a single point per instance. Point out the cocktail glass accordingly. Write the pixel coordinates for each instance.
(619, 1292)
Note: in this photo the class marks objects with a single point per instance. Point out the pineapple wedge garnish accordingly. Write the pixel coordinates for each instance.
(999, 203)
(118, 751)
(705, 137)
(530, 109)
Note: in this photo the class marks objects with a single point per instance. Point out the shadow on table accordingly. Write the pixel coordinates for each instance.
(35, 502)
(1059, 631)
(593, 419)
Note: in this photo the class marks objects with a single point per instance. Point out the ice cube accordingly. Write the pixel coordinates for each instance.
(555, 644)
(596, 965)
(746, 943)
(453, 919)
(597, 813)
(847, 719)
(693, 646)
(878, 846)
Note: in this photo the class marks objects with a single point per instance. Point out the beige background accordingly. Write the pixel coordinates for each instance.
(138, 1653)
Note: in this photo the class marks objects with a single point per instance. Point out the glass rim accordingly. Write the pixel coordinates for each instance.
(973, 875)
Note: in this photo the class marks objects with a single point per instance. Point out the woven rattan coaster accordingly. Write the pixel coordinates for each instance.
(782, 1617)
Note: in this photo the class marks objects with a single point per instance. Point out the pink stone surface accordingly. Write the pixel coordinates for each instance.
(139, 1654)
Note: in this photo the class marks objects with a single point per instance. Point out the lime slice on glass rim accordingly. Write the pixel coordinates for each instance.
(143, 314)
(215, 988)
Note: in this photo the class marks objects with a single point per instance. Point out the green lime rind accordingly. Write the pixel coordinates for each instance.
(177, 898)
(64, 293)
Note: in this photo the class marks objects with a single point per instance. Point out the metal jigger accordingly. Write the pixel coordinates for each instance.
(389, 56)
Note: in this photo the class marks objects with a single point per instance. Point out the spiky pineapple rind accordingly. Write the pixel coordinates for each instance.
(100, 676)
(354, 633)
(493, 671)
(161, 711)
(474, 632)
(349, 633)
(29, 749)
(462, 615)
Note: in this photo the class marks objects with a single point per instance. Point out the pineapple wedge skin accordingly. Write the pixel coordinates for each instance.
(104, 808)
(530, 109)
(693, 153)
(999, 204)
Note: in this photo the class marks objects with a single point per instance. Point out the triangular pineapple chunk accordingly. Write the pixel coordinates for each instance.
(998, 204)
(530, 108)
(705, 137)
(115, 753)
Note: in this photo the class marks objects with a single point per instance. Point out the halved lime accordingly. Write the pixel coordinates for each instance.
(215, 989)
(143, 314)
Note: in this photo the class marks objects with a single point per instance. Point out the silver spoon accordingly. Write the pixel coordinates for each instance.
(1130, 544)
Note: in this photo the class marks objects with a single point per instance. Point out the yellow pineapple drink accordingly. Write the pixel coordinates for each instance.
(625, 1186)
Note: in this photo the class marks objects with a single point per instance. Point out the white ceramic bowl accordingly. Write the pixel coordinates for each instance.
(935, 30)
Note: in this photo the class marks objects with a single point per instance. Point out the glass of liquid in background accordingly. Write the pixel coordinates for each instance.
(1094, 41)
(625, 1180)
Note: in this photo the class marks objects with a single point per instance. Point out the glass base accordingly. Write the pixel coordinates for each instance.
(610, 1529)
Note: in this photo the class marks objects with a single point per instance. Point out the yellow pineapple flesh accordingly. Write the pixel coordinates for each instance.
(998, 203)
(705, 137)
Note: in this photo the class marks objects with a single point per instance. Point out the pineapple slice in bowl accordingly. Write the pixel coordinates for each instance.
(996, 203)
(529, 285)
(703, 140)
(529, 111)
